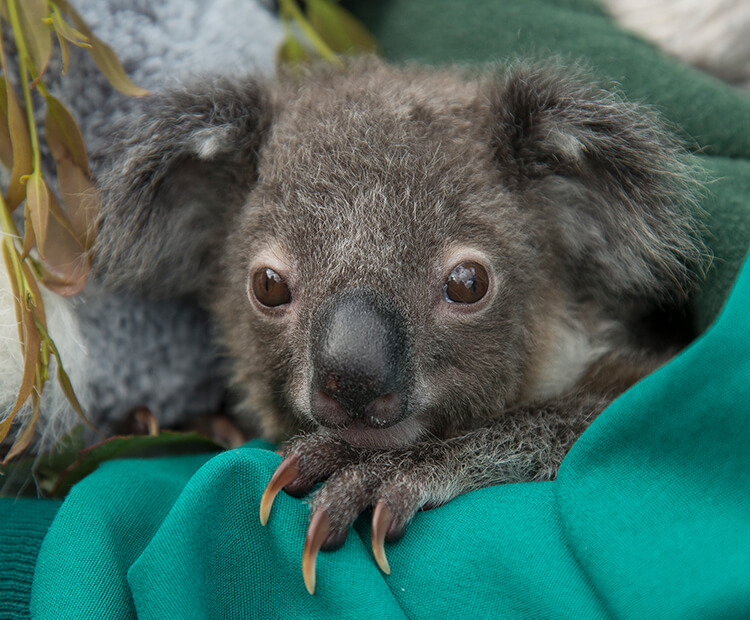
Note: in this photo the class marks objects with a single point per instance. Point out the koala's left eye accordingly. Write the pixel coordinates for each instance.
(270, 289)
(467, 283)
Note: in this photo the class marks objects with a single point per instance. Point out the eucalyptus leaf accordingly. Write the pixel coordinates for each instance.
(292, 52)
(341, 31)
(103, 55)
(65, 260)
(135, 446)
(6, 146)
(65, 30)
(38, 207)
(63, 135)
(36, 33)
(31, 342)
(23, 162)
(26, 434)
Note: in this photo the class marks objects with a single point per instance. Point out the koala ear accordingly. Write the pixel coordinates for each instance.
(617, 189)
(173, 181)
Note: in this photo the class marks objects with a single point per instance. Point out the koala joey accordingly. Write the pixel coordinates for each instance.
(429, 280)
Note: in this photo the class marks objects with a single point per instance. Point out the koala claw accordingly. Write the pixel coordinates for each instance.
(285, 473)
(317, 533)
(381, 521)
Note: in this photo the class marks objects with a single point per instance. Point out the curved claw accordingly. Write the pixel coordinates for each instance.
(381, 520)
(287, 471)
(317, 532)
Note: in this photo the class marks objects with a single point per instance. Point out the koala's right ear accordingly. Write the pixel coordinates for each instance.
(174, 179)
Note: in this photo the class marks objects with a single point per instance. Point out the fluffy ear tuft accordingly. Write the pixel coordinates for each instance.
(620, 192)
(175, 177)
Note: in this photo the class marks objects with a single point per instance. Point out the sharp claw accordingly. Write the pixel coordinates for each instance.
(381, 520)
(317, 532)
(287, 471)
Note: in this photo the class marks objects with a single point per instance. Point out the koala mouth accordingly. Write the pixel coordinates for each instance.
(360, 435)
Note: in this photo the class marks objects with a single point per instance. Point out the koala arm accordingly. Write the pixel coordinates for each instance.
(522, 444)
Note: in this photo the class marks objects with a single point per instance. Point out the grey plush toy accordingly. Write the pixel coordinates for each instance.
(147, 350)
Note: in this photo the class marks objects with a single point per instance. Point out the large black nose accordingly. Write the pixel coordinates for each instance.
(359, 361)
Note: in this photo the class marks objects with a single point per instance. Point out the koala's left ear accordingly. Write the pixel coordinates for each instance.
(175, 178)
(617, 188)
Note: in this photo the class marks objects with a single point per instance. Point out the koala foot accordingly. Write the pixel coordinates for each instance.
(391, 482)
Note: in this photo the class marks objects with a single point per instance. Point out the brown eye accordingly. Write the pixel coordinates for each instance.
(269, 288)
(467, 283)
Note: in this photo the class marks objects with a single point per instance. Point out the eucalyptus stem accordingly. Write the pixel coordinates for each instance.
(24, 72)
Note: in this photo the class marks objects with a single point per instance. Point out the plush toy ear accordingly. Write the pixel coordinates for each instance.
(617, 188)
(175, 178)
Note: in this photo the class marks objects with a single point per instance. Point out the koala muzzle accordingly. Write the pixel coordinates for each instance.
(359, 362)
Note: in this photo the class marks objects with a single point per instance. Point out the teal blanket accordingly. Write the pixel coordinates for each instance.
(649, 517)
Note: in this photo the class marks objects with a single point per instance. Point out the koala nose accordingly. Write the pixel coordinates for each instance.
(359, 361)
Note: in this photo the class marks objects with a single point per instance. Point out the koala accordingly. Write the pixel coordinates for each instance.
(428, 280)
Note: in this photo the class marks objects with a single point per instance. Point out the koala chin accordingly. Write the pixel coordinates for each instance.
(429, 280)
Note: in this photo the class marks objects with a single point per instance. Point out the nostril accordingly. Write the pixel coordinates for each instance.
(328, 411)
(383, 411)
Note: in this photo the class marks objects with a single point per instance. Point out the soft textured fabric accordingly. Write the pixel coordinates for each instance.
(23, 525)
(649, 517)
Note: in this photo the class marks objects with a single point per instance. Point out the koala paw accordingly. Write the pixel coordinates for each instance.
(391, 482)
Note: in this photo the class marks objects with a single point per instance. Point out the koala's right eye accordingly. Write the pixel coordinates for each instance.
(270, 289)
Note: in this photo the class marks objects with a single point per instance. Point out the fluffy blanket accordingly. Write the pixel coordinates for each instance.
(650, 514)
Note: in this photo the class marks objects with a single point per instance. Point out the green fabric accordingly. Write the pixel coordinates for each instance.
(23, 525)
(649, 518)
(714, 116)
(650, 515)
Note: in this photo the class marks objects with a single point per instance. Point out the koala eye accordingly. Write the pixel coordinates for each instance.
(270, 289)
(467, 283)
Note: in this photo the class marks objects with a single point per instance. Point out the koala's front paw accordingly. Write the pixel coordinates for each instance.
(392, 482)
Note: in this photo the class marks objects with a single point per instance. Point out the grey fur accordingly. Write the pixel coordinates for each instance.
(579, 204)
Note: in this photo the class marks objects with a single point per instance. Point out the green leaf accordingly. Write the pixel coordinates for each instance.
(6, 146)
(64, 53)
(292, 52)
(38, 207)
(36, 33)
(20, 140)
(138, 446)
(63, 134)
(65, 30)
(341, 31)
(103, 55)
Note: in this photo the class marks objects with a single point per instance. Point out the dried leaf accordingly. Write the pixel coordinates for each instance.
(292, 52)
(38, 207)
(79, 194)
(35, 32)
(63, 134)
(10, 268)
(104, 57)
(65, 258)
(31, 341)
(26, 434)
(81, 199)
(341, 31)
(28, 235)
(6, 147)
(67, 388)
(21, 143)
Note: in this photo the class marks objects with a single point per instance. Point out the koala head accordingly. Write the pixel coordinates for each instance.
(387, 251)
